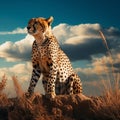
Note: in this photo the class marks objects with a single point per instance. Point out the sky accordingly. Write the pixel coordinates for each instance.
(76, 26)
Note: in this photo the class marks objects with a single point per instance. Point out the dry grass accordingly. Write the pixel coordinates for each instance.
(109, 54)
(18, 88)
(107, 107)
(3, 83)
(23, 101)
(3, 98)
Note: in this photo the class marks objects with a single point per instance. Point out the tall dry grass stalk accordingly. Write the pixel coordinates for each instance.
(18, 88)
(115, 79)
(3, 83)
(108, 106)
(3, 98)
(23, 101)
(108, 52)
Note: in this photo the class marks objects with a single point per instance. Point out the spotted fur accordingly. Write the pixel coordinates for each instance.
(50, 60)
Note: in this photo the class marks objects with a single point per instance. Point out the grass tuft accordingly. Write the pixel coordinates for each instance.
(107, 107)
(3, 83)
(18, 88)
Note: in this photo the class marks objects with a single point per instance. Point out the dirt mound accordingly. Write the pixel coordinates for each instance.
(64, 107)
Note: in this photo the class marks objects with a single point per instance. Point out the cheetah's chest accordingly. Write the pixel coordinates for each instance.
(43, 60)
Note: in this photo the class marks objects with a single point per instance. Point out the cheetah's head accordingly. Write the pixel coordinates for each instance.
(37, 26)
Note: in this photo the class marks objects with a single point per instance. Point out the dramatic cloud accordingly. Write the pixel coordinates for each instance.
(16, 31)
(101, 69)
(80, 42)
(77, 34)
(20, 50)
(86, 40)
(21, 70)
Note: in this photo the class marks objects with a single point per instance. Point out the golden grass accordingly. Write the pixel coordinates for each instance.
(23, 101)
(107, 107)
(108, 52)
(18, 88)
(3, 83)
(3, 98)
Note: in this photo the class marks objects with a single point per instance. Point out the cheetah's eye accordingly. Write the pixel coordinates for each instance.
(35, 23)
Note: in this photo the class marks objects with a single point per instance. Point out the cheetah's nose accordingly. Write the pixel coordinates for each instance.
(28, 27)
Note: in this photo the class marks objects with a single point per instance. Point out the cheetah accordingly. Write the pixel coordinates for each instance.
(49, 60)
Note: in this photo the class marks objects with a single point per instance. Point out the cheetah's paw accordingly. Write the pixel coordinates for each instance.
(50, 96)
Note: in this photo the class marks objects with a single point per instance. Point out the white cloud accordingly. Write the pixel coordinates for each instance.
(82, 37)
(76, 34)
(17, 51)
(76, 40)
(20, 70)
(98, 66)
(104, 68)
(16, 31)
(23, 72)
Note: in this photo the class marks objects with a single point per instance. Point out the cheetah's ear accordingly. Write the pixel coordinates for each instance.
(49, 20)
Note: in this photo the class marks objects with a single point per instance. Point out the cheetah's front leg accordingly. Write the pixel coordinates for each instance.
(49, 86)
(34, 79)
(49, 80)
(51, 89)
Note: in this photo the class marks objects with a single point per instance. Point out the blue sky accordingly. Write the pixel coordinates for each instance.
(76, 25)
(16, 13)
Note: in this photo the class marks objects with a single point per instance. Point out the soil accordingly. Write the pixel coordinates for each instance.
(63, 107)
